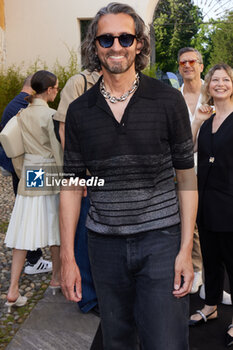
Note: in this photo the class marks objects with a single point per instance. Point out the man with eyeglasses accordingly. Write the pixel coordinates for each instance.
(190, 68)
(131, 130)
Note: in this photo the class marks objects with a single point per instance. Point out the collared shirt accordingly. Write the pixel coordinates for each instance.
(192, 116)
(74, 88)
(134, 157)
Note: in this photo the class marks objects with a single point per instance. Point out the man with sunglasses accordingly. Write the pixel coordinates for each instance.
(131, 130)
(190, 67)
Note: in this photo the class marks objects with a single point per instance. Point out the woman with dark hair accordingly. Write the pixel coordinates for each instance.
(215, 184)
(34, 221)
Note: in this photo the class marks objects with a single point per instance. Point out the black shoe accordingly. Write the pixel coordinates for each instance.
(204, 318)
(229, 338)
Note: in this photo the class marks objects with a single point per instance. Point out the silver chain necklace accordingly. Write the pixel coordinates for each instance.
(114, 99)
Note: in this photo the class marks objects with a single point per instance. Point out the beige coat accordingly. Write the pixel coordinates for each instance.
(72, 90)
(39, 139)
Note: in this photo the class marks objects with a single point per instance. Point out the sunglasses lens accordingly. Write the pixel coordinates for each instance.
(105, 40)
(190, 62)
(126, 40)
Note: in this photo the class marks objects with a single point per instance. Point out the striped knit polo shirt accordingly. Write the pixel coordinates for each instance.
(136, 157)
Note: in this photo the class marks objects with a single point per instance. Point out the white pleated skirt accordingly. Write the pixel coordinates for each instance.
(34, 222)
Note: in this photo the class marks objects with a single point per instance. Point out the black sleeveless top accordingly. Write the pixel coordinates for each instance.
(215, 176)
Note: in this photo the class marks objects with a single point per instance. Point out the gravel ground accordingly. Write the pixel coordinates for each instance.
(32, 286)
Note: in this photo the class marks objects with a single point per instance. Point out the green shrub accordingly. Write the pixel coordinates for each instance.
(63, 73)
(10, 84)
(11, 79)
(151, 71)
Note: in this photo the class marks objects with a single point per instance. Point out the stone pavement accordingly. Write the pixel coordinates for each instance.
(55, 324)
(32, 286)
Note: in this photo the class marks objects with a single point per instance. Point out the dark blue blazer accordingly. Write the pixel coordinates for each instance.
(10, 111)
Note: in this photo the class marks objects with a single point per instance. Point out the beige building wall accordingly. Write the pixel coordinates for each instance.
(2, 48)
(2, 15)
(48, 29)
(2, 34)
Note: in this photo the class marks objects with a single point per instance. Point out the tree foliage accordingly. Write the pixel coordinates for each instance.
(176, 23)
(203, 42)
(222, 42)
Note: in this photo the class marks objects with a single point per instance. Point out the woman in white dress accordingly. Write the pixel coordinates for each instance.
(34, 221)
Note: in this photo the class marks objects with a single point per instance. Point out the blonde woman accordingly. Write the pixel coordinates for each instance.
(215, 184)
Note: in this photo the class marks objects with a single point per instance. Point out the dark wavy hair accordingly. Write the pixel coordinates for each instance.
(88, 48)
(40, 82)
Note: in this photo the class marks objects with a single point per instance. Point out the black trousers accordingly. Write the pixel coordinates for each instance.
(134, 277)
(217, 254)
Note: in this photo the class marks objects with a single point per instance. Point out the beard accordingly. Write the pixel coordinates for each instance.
(114, 68)
(117, 67)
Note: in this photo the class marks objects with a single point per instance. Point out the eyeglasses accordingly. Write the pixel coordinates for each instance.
(107, 40)
(191, 62)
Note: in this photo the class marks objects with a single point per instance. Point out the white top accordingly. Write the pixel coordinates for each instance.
(192, 116)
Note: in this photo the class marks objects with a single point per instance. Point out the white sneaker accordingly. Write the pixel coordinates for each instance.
(197, 282)
(226, 297)
(40, 267)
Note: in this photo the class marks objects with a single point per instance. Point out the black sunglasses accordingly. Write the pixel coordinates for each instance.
(107, 40)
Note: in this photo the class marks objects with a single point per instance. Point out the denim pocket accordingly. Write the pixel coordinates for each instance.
(172, 230)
